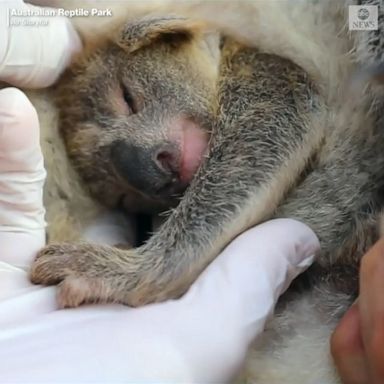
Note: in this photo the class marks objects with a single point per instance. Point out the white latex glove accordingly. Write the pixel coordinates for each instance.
(33, 56)
(30, 56)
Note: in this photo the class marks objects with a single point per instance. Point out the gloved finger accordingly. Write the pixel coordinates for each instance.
(281, 249)
(22, 176)
(34, 50)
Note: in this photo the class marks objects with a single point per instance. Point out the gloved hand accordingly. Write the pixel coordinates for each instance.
(30, 56)
(34, 56)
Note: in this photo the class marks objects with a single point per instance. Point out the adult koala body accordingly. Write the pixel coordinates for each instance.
(284, 143)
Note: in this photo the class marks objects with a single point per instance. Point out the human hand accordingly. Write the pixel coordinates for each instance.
(357, 344)
(33, 56)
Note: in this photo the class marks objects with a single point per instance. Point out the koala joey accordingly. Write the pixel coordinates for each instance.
(258, 127)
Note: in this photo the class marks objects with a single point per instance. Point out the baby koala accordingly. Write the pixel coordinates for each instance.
(136, 112)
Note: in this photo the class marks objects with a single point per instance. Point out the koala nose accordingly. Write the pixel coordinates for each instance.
(152, 171)
(168, 160)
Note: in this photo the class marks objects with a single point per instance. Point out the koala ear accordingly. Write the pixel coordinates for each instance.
(173, 30)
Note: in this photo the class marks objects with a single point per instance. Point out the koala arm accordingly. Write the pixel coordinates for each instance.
(266, 130)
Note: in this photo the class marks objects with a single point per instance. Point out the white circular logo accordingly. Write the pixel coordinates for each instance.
(363, 14)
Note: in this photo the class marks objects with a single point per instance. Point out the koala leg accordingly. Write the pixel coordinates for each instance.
(268, 126)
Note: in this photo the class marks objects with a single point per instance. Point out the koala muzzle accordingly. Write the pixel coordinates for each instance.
(153, 171)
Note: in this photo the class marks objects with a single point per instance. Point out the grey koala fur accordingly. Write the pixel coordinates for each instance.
(285, 142)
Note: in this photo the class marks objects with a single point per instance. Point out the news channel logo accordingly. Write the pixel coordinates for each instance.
(363, 18)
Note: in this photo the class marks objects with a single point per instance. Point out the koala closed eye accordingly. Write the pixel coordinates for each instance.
(129, 100)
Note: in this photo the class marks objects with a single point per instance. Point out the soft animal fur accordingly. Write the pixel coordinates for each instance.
(288, 140)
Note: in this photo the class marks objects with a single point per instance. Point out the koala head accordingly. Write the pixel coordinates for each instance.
(136, 110)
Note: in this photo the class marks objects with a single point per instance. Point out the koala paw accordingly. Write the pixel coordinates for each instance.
(54, 263)
(80, 270)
